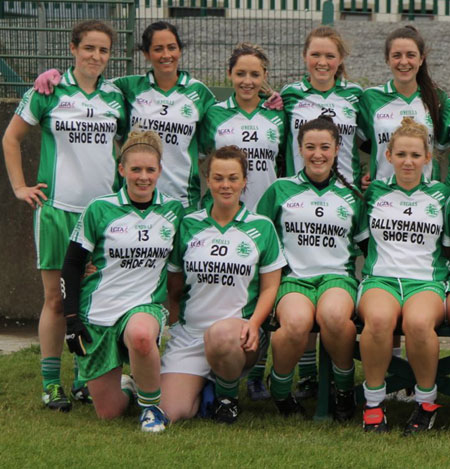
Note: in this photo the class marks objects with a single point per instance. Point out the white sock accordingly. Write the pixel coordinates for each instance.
(425, 396)
(374, 397)
(397, 352)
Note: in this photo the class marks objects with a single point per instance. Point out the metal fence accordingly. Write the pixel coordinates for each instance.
(35, 36)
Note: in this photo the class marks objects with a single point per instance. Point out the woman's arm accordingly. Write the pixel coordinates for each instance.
(15, 133)
(269, 283)
(71, 274)
(175, 290)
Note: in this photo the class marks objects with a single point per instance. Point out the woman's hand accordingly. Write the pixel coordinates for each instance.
(33, 196)
(90, 269)
(365, 181)
(275, 102)
(249, 337)
(46, 81)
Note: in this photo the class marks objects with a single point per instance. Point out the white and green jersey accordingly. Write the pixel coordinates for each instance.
(318, 228)
(407, 230)
(174, 115)
(222, 266)
(260, 134)
(303, 103)
(130, 248)
(78, 161)
(382, 111)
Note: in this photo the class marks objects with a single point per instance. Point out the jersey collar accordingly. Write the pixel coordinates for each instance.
(69, 78)
(305, 84)
(124, 198)
(392, 181)
(231, 103)
(389, 88)
(183, 78)
(303, 179)
(241, 215)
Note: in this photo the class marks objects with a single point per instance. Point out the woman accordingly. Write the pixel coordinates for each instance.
(323, 91)
(398, 286)
(116, 314)
(245, 121)
(170, 102)
(316, 215)
(229, 262)
(411, 92)
(79, 124)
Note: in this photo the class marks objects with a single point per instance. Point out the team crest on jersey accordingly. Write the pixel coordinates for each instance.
(428, 120)
(431, 210)
(342, 212)
(165, 233)
(243, 249)
(348, 112)
(186, 110)
(271, 135)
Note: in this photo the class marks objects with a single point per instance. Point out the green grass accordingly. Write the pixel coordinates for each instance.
(33, 437)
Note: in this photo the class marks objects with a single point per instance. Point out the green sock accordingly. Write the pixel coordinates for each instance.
(280, 385)
(51, 371)
(77, 383)
(307, 364)
(344, 379)
(257, 372)
(225, 388)
(146, 399)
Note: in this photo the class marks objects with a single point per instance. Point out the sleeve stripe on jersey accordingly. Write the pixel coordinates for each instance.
(253, 233)
(349, 198)
(193, 95)
(438, 196)
(276, 120)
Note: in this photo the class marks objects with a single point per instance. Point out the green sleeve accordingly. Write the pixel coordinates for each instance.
(267, 204)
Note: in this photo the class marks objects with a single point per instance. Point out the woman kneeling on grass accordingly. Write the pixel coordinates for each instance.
(316, 214)
(115, 314)
(405, 273)
(229, 261)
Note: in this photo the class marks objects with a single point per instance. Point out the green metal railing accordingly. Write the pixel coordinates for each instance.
(35, 36)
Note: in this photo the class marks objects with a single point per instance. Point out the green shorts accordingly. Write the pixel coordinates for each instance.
(107, 349)
(401, 288)
(314, 287)
(52, 230)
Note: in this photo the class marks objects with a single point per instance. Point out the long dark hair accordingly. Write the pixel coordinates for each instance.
(428, 88)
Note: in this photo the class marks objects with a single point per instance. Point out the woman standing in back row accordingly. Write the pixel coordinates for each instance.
(324, 90)
(77, 163)
(170, 102)
(410, 93)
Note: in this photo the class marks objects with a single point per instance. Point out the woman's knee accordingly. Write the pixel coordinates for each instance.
(222, 337)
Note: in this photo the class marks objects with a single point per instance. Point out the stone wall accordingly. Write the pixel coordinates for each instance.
(21, 288)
